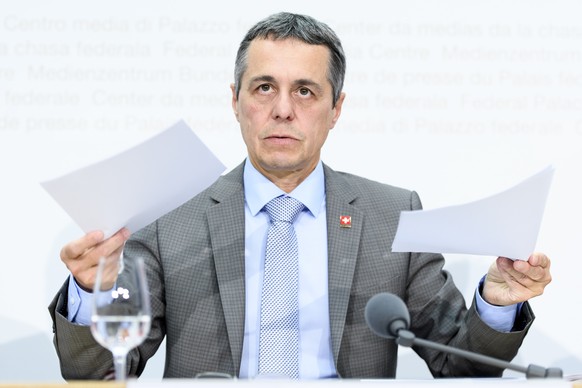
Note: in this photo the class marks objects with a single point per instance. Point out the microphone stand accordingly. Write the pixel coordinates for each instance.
(407, 338)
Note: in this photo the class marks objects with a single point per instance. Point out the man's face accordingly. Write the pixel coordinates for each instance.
(285, 107)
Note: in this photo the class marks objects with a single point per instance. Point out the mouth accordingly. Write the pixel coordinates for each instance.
(278, 138)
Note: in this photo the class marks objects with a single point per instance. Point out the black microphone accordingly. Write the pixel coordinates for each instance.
(388, 317)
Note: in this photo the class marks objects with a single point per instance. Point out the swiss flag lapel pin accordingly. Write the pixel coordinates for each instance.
(345, 221)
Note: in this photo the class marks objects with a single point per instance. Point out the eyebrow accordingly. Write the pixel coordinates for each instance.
(261, 78)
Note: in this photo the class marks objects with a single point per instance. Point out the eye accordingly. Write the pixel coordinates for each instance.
(304, 91)
(265, 88)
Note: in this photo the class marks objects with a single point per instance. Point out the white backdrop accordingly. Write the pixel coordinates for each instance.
(456, 99)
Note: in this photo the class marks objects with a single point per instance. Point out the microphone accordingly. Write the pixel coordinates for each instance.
(388, 317)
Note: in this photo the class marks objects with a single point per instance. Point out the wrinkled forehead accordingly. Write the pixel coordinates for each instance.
(287, 55)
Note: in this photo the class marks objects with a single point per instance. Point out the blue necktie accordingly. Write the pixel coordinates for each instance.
(279, 330)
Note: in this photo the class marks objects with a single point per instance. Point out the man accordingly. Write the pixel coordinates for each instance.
(206, 259)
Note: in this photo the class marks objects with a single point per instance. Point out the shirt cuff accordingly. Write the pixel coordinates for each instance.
(500, 318)
(78, 304)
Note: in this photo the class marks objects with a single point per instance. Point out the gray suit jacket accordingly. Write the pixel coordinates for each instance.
(195, 257)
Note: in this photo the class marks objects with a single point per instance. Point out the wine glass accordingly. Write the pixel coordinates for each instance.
(121, 317)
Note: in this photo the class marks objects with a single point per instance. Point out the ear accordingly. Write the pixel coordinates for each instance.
(234, 101)
(337, 109)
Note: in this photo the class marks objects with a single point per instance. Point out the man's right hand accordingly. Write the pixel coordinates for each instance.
(82, 256)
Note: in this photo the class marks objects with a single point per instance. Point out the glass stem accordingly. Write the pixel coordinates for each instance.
(119, 363)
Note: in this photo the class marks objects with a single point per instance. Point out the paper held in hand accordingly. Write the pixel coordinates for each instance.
(139, 185)
(505, 224)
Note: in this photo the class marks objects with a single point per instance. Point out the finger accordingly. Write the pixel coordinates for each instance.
(524, 279)
(536, 273)
(110, 247)
(539, 260)
(504, 264)
(83, 266)
(87, 276)
(510, 282)
(516, 272)
(501, 288)
(78, 247)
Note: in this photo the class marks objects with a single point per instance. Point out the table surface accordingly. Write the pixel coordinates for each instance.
(217, 383)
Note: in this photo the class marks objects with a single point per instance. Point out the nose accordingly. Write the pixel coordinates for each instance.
(283, 107)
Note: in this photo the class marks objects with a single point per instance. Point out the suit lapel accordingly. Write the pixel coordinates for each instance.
(227, 233)
(342, 248)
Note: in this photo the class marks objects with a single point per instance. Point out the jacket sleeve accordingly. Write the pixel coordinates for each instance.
(438, 313)
(80, 356)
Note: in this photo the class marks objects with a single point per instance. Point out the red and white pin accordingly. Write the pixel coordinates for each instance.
(345, 221)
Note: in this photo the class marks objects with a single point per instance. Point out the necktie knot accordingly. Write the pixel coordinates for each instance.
(284, 209)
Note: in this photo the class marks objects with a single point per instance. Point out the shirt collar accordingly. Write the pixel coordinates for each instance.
(259, 190)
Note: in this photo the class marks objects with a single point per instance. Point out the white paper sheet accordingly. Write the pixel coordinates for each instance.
(506, 224)
(136, 187)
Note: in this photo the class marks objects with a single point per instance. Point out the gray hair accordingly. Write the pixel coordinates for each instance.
(286, 25)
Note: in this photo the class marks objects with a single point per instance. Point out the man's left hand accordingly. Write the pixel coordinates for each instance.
(509, 282)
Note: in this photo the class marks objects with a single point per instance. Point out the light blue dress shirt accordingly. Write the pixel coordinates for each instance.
(316, 356)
